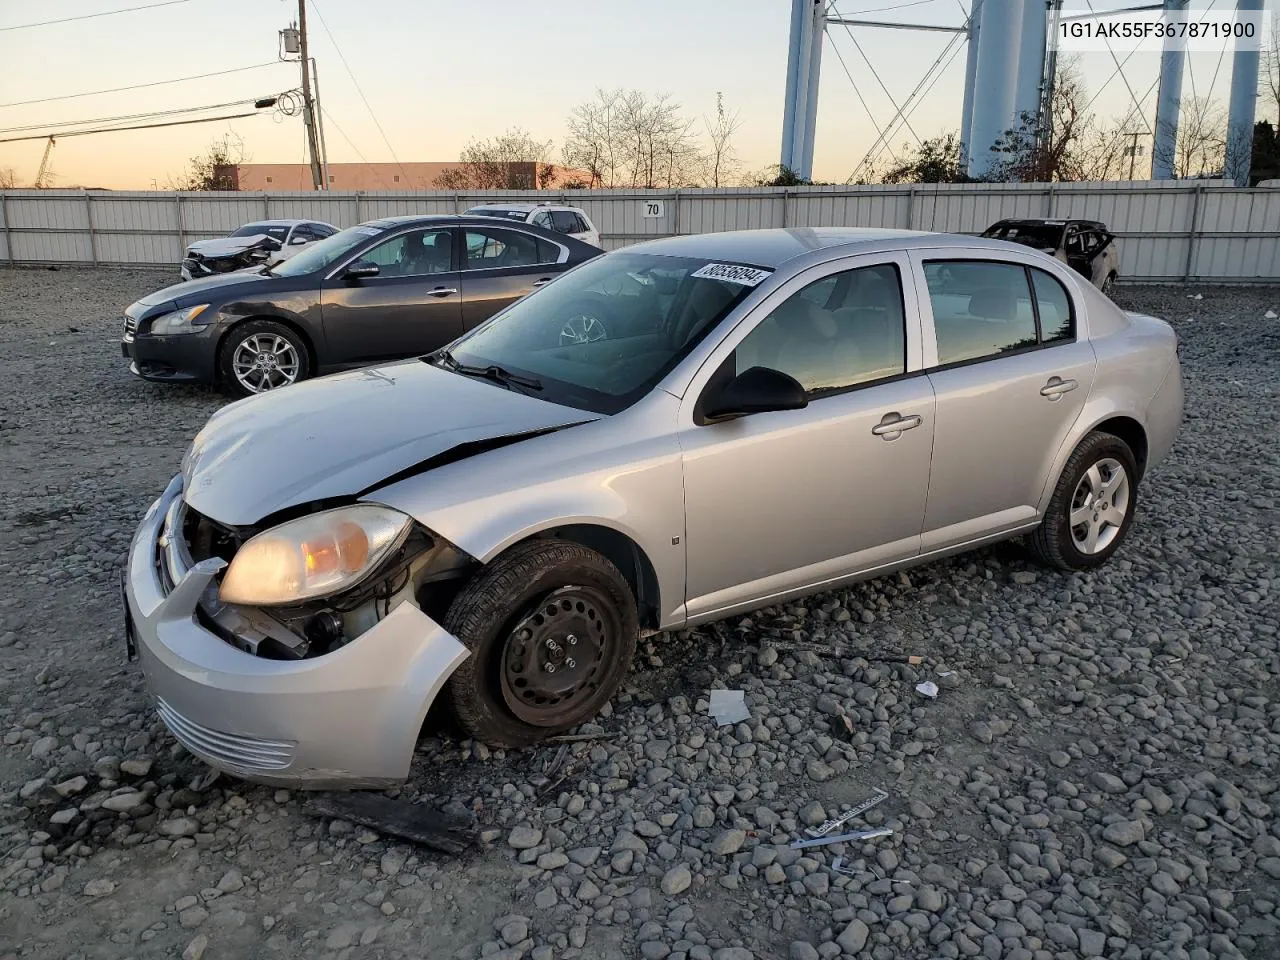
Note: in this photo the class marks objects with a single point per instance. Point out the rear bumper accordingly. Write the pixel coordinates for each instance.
(347, 719)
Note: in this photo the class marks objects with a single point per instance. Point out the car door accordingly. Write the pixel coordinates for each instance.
(411, 306)
(1010, 372)
(776, 502)
(502, 265)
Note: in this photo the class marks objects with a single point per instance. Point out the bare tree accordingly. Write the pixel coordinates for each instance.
(722, 161)
(1032, 153)
(626, 138)
(1201, 147)
(1269, 77)
(215, 169)
(8, 179)
(513, 160)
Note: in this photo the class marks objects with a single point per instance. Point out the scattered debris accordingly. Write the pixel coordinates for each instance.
(928, 688)
(837, 867)
(1195, 296)
(843, 838)
(1271, 315)
(728, 706)
(829, 825)
(947, 673)
(397, 818)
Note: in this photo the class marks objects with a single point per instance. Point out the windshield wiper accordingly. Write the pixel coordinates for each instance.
(488, 372)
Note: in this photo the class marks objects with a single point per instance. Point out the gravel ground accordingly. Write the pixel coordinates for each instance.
(1096, 777)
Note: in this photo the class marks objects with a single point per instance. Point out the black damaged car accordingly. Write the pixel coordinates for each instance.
(383, 290)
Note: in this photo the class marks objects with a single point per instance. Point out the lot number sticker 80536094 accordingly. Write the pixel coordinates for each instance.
(732, 273)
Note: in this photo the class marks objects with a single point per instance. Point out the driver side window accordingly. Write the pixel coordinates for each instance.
(415, 254)
(838, 332)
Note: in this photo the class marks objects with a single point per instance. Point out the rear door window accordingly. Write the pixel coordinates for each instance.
(981, 309)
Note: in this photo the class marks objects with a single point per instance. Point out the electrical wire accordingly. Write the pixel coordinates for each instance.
(139, 86)
(874, 73)
(858, 93)
(92, 16)
(896, 6)
(152, 115)
(144, 126)
(356, 83)
(949, 52)
(375, 167)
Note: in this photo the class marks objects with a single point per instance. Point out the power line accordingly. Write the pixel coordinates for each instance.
(356, 83)
(144, 126)
(91, 16)
(875, 74)
(858, 93)
(375, 167)
(152, 115)
(896, 6)
(139, 86)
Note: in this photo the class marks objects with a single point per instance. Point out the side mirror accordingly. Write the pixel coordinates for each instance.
(361, 269)
(758, 390)
(297, 241)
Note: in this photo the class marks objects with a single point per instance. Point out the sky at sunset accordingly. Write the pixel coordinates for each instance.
(438, 73)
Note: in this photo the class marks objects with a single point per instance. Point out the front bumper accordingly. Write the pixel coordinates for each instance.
(347, 719)
(182, 359)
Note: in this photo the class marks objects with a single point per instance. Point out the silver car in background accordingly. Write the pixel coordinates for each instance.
(666, 435)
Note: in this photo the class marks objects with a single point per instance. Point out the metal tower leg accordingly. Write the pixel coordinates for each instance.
(1244, 103)
(1168, 99)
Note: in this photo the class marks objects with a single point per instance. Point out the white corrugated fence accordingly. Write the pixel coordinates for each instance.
(1168, 230)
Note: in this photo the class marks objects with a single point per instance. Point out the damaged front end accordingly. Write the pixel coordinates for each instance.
(206, 262)
(422, 569)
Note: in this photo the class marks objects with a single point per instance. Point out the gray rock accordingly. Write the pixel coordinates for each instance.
(196, 948)
(853, 937)
(728, 842)
(1124, 833)
(677, 880)
(524, 837)
(99, 887)
(800, 950)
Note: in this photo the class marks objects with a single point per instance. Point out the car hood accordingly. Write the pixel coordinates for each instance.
(228, 246)
(339, 436)
(190, 289)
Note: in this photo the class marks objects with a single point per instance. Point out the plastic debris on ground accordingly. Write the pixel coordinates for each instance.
(728, 706)
(1271, 315)
(843, 838)
(1195, 296)
(928, 688)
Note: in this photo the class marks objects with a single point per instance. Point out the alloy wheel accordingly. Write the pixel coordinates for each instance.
(265, 361)
(1099, 506)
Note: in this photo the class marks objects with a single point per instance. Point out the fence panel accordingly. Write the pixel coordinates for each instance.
(1201, 230)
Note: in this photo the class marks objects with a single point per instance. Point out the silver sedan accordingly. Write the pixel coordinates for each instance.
(666, 435)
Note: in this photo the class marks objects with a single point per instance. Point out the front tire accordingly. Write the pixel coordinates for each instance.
(1092, 506)
(552, 627)
(262, 355)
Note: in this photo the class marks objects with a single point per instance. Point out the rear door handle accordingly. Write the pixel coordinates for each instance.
(892, 425)
(442, 292)
(1056, 387)
(544, 280)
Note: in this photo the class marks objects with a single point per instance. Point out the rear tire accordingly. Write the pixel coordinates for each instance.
(262, 355)
(1092, 506)
(1109, 284)
(552, 627)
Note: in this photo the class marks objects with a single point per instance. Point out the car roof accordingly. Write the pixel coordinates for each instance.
(772, 248)
(277, 223)
(523, 207)
(1044, 222)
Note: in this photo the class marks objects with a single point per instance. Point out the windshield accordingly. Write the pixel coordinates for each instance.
(602, 335)
(1042, 235)
(497, 212)
(258, 229)
(322, 253)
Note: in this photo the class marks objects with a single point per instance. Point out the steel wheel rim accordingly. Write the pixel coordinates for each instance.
(584, 328)
(265, 361)
(556, 658)
(1099, 506)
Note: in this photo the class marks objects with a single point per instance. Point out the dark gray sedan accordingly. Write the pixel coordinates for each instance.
(379, 291)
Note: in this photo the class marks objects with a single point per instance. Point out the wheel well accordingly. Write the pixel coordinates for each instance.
(1131, 432)
(284, 322)
(625, 554)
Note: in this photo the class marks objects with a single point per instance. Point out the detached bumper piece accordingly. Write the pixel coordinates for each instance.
(347, 719)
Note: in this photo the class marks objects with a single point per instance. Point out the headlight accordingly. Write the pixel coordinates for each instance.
(178, 322)
(313, 556)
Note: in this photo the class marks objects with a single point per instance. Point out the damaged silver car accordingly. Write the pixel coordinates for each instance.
(665, 435)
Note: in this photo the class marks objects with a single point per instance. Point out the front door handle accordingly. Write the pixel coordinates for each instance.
(442, 292)
(543, 281)
(892, 425)
(1056, 387)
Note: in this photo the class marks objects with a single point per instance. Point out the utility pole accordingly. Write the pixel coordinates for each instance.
(319, 114)
(1133, 150)
(308, 105)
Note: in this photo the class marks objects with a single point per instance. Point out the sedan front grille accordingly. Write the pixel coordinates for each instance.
(232, 749)
(130, 328)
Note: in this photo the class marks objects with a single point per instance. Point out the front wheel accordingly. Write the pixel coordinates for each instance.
(552, 627)
(262, 355)
(1092, 506)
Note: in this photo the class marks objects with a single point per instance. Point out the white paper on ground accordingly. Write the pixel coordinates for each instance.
(728, 706)
(928, 688)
